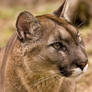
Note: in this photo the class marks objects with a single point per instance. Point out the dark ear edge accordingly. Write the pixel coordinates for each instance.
(26, 24)
(24, 13)
(60, 11)
(22, 24)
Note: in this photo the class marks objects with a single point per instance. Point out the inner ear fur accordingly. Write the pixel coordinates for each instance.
(27, 25)
(59, 12)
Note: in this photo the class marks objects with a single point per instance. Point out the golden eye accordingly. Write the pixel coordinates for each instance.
(59, 46)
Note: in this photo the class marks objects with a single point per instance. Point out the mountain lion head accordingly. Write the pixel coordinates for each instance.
(51, 42)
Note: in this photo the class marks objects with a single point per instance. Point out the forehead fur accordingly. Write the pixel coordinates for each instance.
(50, 22)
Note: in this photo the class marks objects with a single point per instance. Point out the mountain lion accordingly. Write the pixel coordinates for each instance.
(46, 54)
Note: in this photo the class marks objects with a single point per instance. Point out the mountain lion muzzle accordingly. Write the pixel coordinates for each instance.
(43, 52)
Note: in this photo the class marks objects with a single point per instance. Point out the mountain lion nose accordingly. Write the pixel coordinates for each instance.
(82, 65)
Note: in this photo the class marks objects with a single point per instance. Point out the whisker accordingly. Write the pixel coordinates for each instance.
(41, 80)
(42, 57)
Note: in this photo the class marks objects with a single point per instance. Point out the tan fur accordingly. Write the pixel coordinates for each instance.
(19, 78)
(42, 55)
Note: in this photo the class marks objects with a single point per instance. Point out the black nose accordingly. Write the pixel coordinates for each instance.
(82, 64)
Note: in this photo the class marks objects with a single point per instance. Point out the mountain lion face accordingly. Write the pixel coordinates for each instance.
(52, 43)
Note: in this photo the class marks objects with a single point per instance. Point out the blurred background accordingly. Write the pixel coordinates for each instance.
(9, 10)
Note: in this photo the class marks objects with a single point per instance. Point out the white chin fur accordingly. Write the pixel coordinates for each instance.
(77, 72)
(85, 68)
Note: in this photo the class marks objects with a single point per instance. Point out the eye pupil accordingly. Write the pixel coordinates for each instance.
(57, 44)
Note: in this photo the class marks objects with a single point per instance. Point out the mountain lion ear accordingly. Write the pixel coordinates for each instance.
(67, 10)
(27, 26)
(61, 10)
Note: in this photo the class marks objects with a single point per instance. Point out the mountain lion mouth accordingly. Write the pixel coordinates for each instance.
(77, 71)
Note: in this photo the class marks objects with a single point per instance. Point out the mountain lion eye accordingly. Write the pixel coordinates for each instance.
(59, 46)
